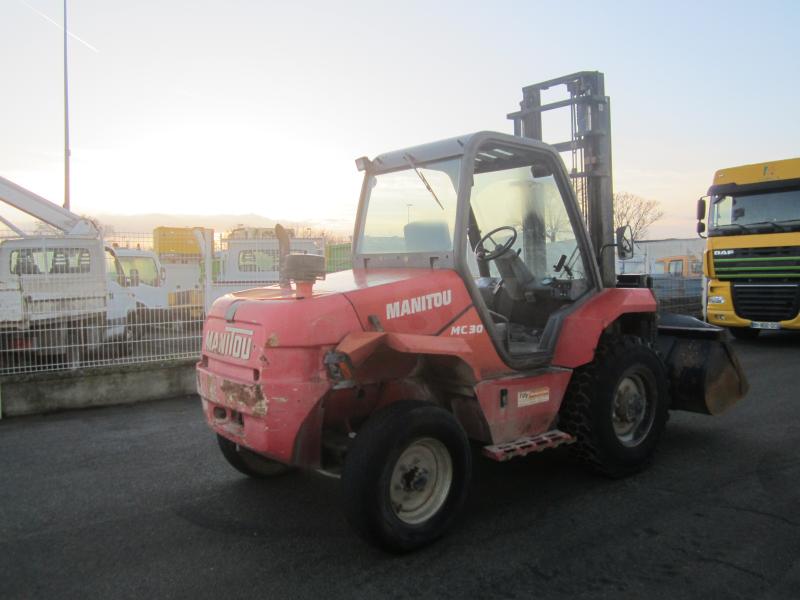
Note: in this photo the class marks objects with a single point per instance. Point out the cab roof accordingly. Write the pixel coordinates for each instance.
(777, 170)
(448, 148)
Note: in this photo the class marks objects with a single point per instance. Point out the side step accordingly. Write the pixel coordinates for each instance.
(526, 445)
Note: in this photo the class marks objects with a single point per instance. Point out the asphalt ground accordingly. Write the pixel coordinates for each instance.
(137, 502)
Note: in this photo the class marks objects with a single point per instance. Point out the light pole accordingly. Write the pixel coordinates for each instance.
(66, 116)
(409, 212)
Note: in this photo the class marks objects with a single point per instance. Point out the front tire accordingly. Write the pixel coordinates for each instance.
(616, 407)
(406, 475)
(248, 462)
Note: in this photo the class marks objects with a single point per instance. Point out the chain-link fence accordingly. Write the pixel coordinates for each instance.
(69, 302)
(675, 294)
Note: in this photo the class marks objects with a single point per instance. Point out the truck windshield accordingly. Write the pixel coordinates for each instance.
(759, 212)
(146, 266)
(52, 261)
(403, 215)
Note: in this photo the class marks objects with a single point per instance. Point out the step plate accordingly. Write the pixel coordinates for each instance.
(526, 445)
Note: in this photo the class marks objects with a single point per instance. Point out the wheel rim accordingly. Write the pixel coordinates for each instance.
(421, 480)
(632, 409)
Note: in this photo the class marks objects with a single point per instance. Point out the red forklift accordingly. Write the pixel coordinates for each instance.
(482, 311)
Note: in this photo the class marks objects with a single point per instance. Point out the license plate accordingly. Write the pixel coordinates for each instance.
(765, 325)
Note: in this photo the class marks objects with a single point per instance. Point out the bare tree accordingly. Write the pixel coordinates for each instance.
(556, 219)
(633, 210)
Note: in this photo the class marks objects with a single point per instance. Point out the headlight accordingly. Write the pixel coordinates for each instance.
(716, 299)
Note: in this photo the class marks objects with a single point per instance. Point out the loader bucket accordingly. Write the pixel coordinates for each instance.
(704, 374)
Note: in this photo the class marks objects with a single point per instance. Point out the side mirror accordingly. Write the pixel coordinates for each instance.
(701, 228)
(134, 277)
(624, 242)
(701, 214)
(162, 274)
(701, 208)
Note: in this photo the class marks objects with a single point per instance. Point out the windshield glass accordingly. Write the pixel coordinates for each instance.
(148, 274)
(777, 210)
(52, 261)
(533, 206)
(258, 260)
(403, 215)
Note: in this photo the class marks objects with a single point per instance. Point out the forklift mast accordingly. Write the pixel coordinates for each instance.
(590, 147)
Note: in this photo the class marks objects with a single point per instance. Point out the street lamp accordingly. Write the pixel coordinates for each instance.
(66, 116)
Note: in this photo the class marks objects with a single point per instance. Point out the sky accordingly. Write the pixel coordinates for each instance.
(255, 106)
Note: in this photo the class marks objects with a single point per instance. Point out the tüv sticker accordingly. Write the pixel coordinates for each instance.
(535, 396)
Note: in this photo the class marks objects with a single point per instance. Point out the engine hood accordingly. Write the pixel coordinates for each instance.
(419, 301)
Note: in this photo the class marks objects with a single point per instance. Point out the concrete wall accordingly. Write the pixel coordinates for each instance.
(38, 393)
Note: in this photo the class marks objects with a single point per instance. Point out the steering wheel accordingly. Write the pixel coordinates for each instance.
(499, 249)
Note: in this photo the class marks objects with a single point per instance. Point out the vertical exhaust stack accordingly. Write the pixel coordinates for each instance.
(303, 269)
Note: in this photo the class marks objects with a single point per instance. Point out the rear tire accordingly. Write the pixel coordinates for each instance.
(248, 462)
(616, 407)
(406, 475)
(744, 333)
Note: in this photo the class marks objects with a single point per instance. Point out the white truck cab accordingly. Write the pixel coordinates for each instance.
(145, 276)
(258, 260)
(55, 292)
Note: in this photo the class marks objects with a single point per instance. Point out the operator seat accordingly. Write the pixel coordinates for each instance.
(511, 301)
(84, 261)
(60, 264)
(515, 274)
(26, 264)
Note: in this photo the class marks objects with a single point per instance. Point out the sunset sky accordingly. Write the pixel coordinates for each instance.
(253, 106)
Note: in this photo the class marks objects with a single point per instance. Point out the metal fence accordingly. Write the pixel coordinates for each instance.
(70, 302)
(676, 294)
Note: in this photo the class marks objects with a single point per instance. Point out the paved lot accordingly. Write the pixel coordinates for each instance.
(136, 502)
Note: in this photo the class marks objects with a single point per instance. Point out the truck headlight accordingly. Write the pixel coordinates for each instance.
(716, 299)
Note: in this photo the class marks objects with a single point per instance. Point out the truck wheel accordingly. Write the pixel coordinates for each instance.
(744, 333)
(250, 463)
(406, 475)
(616, 407)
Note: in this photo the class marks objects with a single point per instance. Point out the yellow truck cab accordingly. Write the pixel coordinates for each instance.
(752, 257)
(680, 266)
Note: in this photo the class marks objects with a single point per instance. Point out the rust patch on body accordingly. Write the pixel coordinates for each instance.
(241, 393)
(260, 408)
(205, 384)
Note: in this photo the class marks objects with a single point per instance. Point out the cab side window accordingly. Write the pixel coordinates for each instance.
(676, 267)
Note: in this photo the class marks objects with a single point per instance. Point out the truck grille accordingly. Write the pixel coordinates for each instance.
(778, 263)
(767, 302)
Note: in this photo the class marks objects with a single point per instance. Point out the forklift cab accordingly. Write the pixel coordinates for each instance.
(499, 210)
